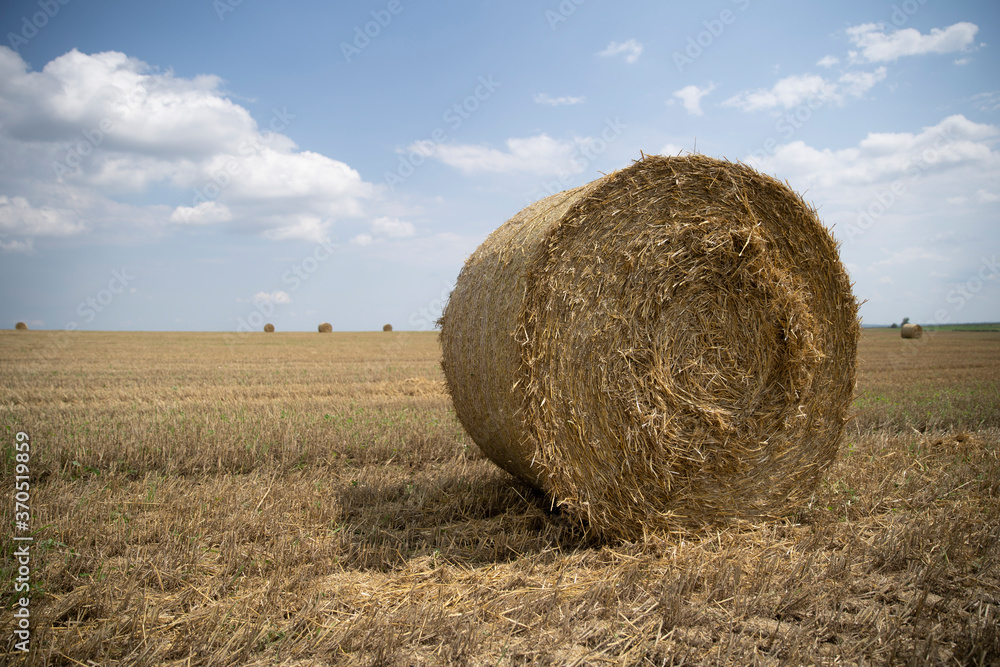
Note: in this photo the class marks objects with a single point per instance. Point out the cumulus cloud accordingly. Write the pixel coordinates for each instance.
(876, 45)
(989, 101)
(856, 84)
(884, 156)
(393, 227)
(912, 254)
(673, 149)
(14, 246)
(277, 296)
(630, 48)
(205, 213)
(794, 90)
(383, 228)
(539, 155)
(788, 92)
(90, 132)
(545, 98)
(691, 97)
(20, 216)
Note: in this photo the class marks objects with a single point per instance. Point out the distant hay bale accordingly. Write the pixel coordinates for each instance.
(387, 327)
(21, 326)
(269, 328)
(673, 343)
(326, 327)
(911, 331)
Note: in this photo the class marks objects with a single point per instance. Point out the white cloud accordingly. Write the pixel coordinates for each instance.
(883, 157)
(289, 225)
(989, 101)
(393, 227)
(856, 84)
(114, 102)
(691, 97)
(19, 216)
(277, 296)
(911, 254)
(205, 213)
(788, 92)
(878, 46)
(631, 48)
(545, 98)
(828, 61)
(672, 149)
(90, 129)
(984, 196)
(20, 247)
(540, 155)
(798, 89)
(383, 228)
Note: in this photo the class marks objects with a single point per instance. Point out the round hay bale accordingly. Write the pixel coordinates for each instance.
(387, 327)
(268, 328)
(326, 327)
(21, 326)
(674, 343)
(911, 331)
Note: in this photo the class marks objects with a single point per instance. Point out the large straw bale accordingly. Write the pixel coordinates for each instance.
(673, 343)
(911, 331)
(21, 326)
(268, 328)
(326, 327)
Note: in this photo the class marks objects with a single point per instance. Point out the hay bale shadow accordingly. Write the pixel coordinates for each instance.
(469, 518)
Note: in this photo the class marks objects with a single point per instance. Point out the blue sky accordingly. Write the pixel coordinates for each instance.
(213, 165)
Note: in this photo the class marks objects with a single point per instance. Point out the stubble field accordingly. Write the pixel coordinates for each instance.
(300, 499)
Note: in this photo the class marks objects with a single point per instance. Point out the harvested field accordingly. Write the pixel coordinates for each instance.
(221, 499)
